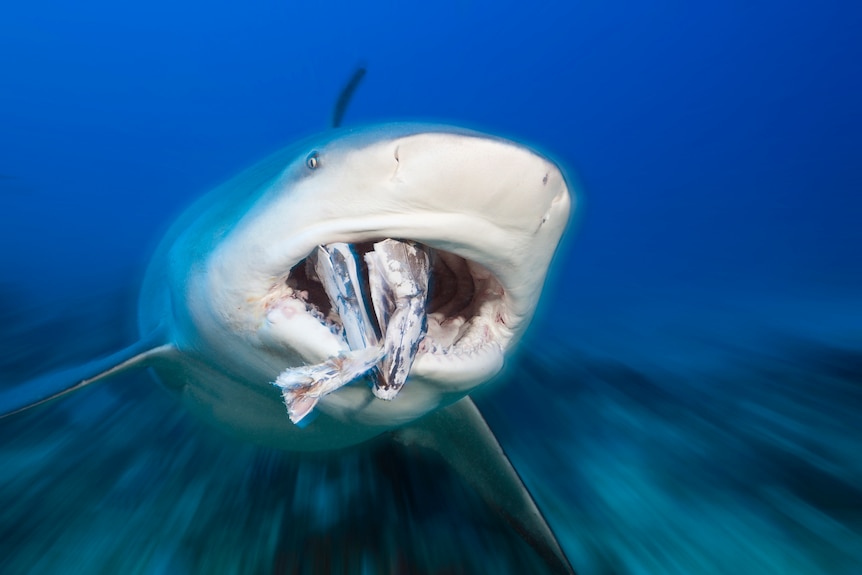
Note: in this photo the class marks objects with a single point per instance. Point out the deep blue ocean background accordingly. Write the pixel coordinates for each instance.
(689, 398)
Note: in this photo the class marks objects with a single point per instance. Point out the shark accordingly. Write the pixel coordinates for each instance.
(359, 283)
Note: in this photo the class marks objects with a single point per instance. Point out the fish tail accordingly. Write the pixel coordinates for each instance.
(299, 403)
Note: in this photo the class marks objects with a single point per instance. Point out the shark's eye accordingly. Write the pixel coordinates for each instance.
(313, 161)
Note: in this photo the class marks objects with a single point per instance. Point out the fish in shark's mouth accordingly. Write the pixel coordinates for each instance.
(389, 301)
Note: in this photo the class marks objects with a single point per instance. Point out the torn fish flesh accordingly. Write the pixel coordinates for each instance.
(302, 387)
(398, 278)
(398, 274)
(336, 266)
(337, 270)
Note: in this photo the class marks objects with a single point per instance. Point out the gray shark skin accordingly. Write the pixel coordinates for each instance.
(231, 300)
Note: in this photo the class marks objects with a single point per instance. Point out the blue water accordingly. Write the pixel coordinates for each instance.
(689, 399)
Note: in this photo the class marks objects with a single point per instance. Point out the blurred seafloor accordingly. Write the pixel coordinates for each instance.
(703, 453)
(689, 400)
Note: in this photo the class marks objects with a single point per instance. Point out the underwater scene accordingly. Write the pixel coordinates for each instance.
(682, 384)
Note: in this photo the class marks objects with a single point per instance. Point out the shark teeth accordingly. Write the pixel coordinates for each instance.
(398, 279)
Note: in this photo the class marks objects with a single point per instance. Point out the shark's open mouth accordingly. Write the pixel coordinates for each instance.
(391, 302)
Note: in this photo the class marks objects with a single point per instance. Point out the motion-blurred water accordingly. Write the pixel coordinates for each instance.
(689, 398)
(120, 479)
(698, 455)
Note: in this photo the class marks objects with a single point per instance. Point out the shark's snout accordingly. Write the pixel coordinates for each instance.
(505, 183)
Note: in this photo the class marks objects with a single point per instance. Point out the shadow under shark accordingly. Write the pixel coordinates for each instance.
(376, 276)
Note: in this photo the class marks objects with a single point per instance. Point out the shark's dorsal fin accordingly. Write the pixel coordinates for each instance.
(346, 95)
(461, 436)
(56, 384)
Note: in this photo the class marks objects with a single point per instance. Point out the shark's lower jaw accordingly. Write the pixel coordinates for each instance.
(402, 309)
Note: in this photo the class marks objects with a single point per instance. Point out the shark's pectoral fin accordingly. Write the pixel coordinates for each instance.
(56, 384)
(461, 436)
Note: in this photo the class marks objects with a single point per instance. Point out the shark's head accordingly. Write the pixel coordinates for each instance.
(488, 212)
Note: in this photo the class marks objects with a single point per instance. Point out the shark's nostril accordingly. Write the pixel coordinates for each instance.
(397, 162)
